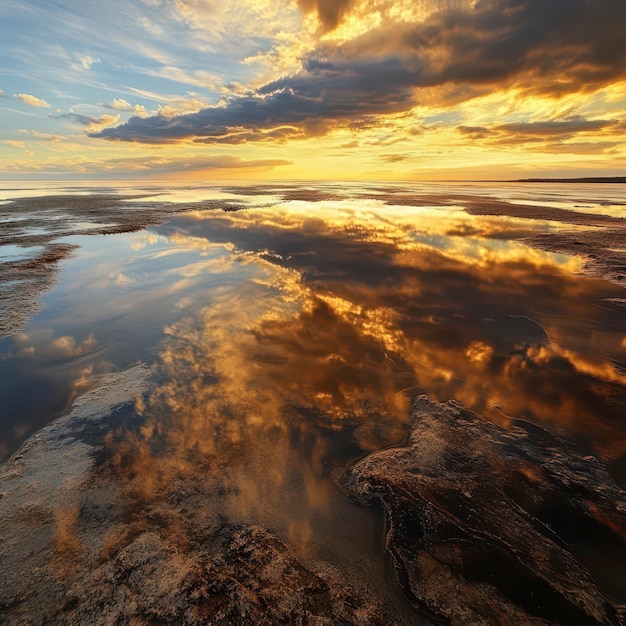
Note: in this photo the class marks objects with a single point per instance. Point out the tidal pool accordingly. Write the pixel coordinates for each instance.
(289, 333)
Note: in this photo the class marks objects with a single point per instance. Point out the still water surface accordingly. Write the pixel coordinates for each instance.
(287, 338)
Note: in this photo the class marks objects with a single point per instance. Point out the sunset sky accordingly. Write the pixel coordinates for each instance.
(312, 89)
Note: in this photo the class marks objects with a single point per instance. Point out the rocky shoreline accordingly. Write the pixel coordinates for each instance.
(77, 549)
(472, 515)
(484, 523)
(479, 520)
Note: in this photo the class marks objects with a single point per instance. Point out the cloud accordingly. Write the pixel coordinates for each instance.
(552, 47)
(329, 12)
(588, 147)
(93, 124)
(173, 104)
(350, 144)
(556, 128)
(140, 166)
(224, 161)
(387, 140)
(464, 47)
(33, 101)
(52, 137)
(550, 134)
(119, 104)
(43, 344)
(393, 158)
(84, 62)
(199, 78)
(307, 104)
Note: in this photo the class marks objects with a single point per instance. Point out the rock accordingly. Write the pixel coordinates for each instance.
(242, 575)
(484, 524)
(255, 579)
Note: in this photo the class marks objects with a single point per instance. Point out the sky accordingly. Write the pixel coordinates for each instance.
(312, 89)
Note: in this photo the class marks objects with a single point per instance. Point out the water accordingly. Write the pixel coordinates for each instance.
(288, 338)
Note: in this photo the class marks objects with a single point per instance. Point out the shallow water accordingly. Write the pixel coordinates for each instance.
(288, 338)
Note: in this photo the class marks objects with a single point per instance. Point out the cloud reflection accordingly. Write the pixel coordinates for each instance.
(223, 408)
(308, 355)
(386, 304)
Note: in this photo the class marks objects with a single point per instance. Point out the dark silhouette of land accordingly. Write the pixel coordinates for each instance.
(597, 179)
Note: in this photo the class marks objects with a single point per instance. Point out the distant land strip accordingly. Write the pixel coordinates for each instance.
(596, 179)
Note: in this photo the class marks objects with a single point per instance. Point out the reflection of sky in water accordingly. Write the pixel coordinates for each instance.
(15, 253)
(450, 310)
(120, 290)
(287, 339)
(365, 262)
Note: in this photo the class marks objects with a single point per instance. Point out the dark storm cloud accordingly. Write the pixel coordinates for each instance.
(322, 95)
(543, 47)
(541, 132)
(576, 43)
(329, 12)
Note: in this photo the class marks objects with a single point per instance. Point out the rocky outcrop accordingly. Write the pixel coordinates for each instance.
(484, 525)
(242, 575)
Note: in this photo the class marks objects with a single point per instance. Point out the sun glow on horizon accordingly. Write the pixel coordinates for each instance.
(293, 90)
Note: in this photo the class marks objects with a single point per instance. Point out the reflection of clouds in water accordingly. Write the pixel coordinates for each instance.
(330, 239)
(186, 242)
(309, 356)
(449, 228)
(42, 374)
(438, 318)
(235, 403)
(42, 343)
(251, 379)
(393, 274)
(218, 265)
(142, 240)
(122, 280)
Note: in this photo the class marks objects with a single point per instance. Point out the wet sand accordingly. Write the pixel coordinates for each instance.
(38, 224)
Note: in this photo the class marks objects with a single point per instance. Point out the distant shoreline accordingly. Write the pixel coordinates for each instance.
(598, 179)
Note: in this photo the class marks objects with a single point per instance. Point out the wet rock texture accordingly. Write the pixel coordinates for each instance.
(486, 525)
(80, 546)
(241, 575)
